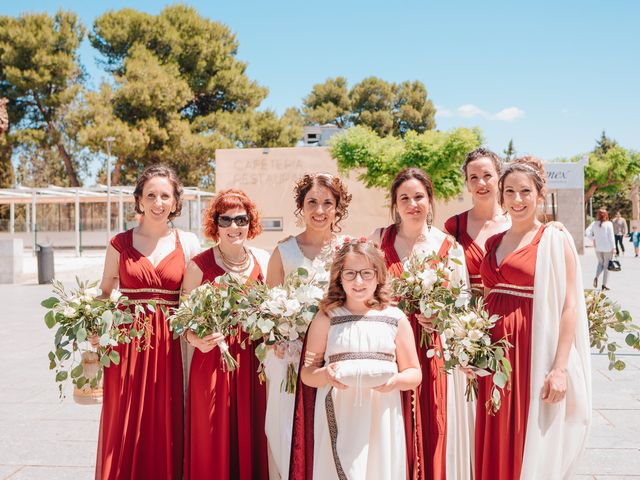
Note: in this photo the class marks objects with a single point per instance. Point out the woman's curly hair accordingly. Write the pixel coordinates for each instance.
(336, 296)
(228, 200)
(333, 183)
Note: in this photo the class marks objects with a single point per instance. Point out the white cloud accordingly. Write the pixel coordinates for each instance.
(469, 110)
(443, 112)
(509, 114)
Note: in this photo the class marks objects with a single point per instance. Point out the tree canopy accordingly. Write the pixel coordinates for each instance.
(386, 108)
(611, 168)
(41, 75)
(379, 159)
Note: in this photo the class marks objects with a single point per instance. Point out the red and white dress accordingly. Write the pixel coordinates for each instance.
(527, 291)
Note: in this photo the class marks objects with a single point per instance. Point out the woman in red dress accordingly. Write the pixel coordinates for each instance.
(412, 209)
(509, 272)
(141, 427)
(225, 411)
(471, 229)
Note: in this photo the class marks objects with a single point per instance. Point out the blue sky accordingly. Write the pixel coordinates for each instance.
(549, 75)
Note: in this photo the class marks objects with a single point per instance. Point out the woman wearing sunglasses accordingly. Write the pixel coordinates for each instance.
(321, 203)
(225, 411)
(441, 421)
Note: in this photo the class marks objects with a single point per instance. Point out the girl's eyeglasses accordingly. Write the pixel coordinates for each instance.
(365, 274)
(225, 221)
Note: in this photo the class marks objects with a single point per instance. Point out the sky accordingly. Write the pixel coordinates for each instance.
(550, 75)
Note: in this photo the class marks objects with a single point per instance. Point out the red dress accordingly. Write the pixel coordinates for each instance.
(473, 254)
(225, 436)
(141, 427)
(500, 438)
(431, 395)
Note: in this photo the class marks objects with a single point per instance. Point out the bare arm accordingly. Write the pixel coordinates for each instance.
(192, 278)
(317, 375)
(275, 270)
(555, 384)
(110, 272)
(409, 374)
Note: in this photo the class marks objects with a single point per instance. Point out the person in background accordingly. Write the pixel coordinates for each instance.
(634, 237)
(620, 229)
(601, 232)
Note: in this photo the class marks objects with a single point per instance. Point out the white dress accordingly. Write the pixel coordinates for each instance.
(358, 431)
(280, 404)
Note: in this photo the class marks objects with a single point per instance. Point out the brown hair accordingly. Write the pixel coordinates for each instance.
(602, 215)
(228, 200)
(403, 176)
(534, 169)
(333, 183)
(479, 153)
(159, 170)
(336, 296)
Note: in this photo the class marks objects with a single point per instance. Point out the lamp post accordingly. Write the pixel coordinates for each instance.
(109, 141)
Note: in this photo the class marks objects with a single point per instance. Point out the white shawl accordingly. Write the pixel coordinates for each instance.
(556, 433)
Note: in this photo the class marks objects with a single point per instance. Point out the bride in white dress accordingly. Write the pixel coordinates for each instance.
(321, 203)
(360, 354)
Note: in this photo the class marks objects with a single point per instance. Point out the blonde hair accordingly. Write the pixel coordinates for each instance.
(336, 296)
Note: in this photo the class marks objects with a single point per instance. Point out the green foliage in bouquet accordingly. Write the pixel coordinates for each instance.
(468, 343)
(212, 309)
(431, 288)
(281, 315)
(80, 314)
(605, 316)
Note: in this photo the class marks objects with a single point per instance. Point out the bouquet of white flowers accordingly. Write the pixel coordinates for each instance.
(212, 308)
(467, 343)
(430, 287)
(605, 317)
(80, 314)
(282, 314)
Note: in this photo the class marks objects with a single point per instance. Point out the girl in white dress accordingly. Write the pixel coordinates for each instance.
(360, 354)
(321, 203)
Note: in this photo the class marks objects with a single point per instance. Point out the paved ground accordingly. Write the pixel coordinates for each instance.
(43, 438)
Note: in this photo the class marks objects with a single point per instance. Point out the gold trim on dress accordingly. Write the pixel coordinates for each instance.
(511, 292)
(517, 287)
(149, 290)
(159, 301)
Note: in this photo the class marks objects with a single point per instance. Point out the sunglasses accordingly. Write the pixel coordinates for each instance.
(365, 274)
(225, 221)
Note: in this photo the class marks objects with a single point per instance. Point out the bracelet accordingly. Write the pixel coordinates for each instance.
(312, 359)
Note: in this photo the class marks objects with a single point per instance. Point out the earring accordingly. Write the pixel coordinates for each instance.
(429, 220)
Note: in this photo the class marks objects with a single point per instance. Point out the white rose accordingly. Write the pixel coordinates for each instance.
(475, 335)
(448, 333)
(265, 325)
(69, 312)
(292, 306)
(428, 277)
(115, 295)
(92, 292)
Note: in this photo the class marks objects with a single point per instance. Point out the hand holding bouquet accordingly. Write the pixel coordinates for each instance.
(468, 344)
(80, 314)
(429, 287)
(282, 314)
(211, 308)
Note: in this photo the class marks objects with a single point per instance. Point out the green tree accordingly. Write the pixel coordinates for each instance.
(179, 93)
(609, 169)
(509, 152)
(387, 108)
(328, 102)
(41, 76)
(379, 159)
